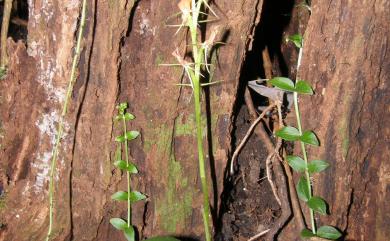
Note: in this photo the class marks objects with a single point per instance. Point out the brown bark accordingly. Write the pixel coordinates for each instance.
(119, 61)
(346, 59)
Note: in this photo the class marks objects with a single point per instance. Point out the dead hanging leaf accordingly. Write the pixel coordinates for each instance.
(185, 6)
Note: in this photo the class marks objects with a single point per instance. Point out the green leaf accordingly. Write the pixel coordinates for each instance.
(329, 232)
(120, 138)
(122, 106)
(306, 233)
(129, 116)
(309, 137)
(118, 117)
(162, 238)
(123, 166)
(296, 39)
(303, 189)
(296, 163)
(136, 196)
(129, 233)
(317, 166)
(131, 135)
(283, 83)
(303, 87)
(317, 204)
(118, 223)
(119, 196)
(288, 133)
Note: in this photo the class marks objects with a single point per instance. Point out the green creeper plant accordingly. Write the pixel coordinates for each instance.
(61, 123)
(316, 204)
(192, 15)
(130, 168)
(125, 165)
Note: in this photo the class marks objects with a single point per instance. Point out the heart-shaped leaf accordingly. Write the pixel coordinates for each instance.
(303, 189)
(296, 163)
(136, 196)
(317, 204)
(131, 168)
(328, 232)
(306, 233)
(309, 137)
(119, 196)
(283, 83)
(120, 138)
(288, 133)
(129, 233)
(297, 39)
(317, 166)
(131, 135)
(303, 87)
(118, 223)
(162, 238)
(129, 116)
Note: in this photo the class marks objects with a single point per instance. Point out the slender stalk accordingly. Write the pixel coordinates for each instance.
(4, 32)
(303, 148)
(60, 129)
(127, 173)
(195, 75)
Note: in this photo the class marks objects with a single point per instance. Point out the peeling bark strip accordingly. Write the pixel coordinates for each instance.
(346, 56)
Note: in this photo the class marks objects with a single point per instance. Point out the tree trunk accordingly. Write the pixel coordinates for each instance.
(345, 58)
(122, 49)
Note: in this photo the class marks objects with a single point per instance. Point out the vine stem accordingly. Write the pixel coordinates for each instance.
(303, 147)
(61, 123)
(127, 173)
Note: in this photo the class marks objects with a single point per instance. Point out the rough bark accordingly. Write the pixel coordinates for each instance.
(347, 61)
(120, 58)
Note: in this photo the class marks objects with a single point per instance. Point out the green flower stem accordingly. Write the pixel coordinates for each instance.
(60, 129)
(195, 76)
(127, 173)
(303, 148)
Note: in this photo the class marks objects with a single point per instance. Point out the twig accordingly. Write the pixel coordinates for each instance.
(4, 32)
(246, 137)
(268, 162)
(259, 235)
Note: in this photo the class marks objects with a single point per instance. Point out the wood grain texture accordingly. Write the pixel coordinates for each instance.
(346, 59)
(121, 52)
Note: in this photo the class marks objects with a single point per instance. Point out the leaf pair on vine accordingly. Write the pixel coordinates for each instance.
(289, 133)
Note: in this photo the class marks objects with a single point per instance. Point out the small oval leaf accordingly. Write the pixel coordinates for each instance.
(296, 163)
(118, 223)
(309, 137)
(288, 133)
(306, 233)
(129, 233)
(297, 39)
(303, 87)
(131, 135)
(303, 189)
(123, 166)
(317, 204)
(317, 166)
(328, 232)
(162, 238)
(283, 83)
(119, 196)
(120, 138)
(129, 116)
(136, 196)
